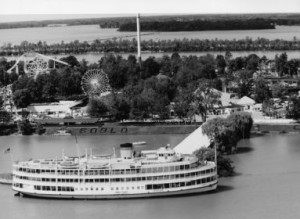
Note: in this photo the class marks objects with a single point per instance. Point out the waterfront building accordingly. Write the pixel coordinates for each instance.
(59, 109)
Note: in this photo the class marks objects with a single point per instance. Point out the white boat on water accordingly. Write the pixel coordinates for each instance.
(161, 172)
(62, 132)
(139, 143)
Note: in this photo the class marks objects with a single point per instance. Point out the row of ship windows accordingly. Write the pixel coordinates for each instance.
(54, 188)
(148, 187)
(102, 180)
(181, 184)
(111, 172)
(48, 188)
(71, 189)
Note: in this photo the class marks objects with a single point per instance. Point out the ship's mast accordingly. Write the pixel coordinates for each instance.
(138, 38)
(215, 147)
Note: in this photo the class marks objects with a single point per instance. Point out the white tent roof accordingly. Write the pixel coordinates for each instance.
(193, 142)
(245, 101)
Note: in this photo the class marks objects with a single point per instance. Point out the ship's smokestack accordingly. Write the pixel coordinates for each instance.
(138, 38)
(126, 151)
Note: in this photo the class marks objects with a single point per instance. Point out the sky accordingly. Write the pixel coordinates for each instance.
(22, 10)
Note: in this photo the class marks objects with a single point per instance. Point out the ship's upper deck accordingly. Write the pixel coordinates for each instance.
(163, 156)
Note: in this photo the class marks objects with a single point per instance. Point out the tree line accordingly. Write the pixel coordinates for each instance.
(199, 25)
(130, 46)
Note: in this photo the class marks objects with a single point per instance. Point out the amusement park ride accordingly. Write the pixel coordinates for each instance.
(35, 64)
(95, 82)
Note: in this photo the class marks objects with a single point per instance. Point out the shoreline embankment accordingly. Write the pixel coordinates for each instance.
(107, 129)
(276, 128)
(122, 130)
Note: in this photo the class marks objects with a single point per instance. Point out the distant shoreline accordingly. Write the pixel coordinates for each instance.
(116, 21)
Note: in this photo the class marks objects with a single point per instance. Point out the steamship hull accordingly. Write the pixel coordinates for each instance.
(187, 192)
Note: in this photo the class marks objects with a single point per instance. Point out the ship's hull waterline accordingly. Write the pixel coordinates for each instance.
(182, 192)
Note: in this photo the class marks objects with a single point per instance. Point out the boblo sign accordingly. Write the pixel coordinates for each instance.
(103, 130)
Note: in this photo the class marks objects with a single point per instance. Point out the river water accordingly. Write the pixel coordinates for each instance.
(266, 184)
(91, 32)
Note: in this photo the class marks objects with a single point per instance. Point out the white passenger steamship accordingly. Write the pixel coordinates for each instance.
(161, 172)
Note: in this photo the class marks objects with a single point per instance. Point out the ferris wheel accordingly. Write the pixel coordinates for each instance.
(95, 82)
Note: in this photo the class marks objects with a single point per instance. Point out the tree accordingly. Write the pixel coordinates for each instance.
(268, 107)
(252, 62)
(175, 63)
(281, 64)
(221, 133)
(293, 109)
(221, 64)
(293, 66)
(139, 108)
(204, 100)
(96, 108)
(261, 90)
(224, 164)
(1, 102)
(22, 98)
(161, 108)
(228, 56)
(120, 108)
(208, 71)
(116, 69)
(26, 128)
(83, 66)
(183, 102)
(278, 90)
(69, 82)
(5, 116)
(225, 133)
(244, 80)
(40, 129)
(4, 76)
(236, 64)
(166, 65)
(149, 67)
(184, 76)
(71, 60)
(244, 89)
(133, 72)
(242, 123)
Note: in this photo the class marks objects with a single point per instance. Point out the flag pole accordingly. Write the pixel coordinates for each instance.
(77, 148)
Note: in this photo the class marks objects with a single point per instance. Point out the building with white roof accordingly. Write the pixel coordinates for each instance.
(59, 109)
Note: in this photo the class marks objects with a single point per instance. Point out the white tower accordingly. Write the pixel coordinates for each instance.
(138, 37)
